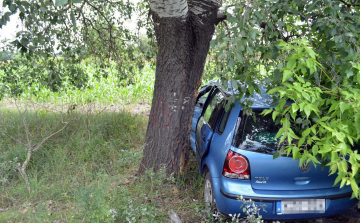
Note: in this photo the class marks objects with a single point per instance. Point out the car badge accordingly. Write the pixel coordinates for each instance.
(305, 167)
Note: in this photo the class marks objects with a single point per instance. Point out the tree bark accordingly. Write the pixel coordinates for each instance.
(183, 35)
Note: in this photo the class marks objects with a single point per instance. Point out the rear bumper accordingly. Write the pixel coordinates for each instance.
(271, 199)
(336, 200)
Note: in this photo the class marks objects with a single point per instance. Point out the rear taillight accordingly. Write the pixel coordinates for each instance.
(236, 166)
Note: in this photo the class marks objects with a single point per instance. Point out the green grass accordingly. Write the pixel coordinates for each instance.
(88, 172)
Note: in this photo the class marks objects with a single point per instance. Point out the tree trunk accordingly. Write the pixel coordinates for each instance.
(183, 32)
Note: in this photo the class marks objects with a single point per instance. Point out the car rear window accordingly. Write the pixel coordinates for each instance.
(257, 136)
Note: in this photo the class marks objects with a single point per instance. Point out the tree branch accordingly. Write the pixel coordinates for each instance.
(220, 17)
(348, 4)
(49, 136)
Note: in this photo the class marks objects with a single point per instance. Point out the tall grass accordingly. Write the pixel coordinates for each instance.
(104, 90)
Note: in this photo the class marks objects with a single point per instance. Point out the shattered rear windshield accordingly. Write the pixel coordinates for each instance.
(256, 136)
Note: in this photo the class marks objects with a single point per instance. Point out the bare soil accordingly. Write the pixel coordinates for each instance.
(140, 108)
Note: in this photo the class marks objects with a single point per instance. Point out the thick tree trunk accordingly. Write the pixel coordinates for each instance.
(183, 37)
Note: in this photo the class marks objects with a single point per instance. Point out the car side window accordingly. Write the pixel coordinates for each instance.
(223, 121)
(201, 101)
(214, 109)
(203, 94)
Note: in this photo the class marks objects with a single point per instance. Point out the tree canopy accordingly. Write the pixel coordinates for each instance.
(304, 51)
(57, 35)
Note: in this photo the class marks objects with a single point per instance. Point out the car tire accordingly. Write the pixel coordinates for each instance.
(209, 196)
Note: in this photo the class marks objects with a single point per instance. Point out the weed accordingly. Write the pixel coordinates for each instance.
(7, 170)
(93, 205)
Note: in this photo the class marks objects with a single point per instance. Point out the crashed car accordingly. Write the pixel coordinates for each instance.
(235, 154)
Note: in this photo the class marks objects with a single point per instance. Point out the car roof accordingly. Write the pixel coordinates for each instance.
(261, 100)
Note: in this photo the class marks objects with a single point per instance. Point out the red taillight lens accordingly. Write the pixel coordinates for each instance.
(236, 166)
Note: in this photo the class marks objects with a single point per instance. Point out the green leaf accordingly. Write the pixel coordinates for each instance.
(293, 114)
(334, 156)
(12, 7)
(276, 155)
(357, 122)
(77, 1)
(279, 133)
(60, 2)
(303, 158)
(274, 114)
(295, 151)
(300, 79)
(325, 118)
(329, 11)
(349, 73)
(306, 132)
(343, 166)
(291, 64)
(307, 110)
(266, 111)
(354, 187)
(294, 107)
(343, 181)
(253, 34)
(333, 168)
(249, 50)
(232, 19)
(344, 106)
(315, 150)
(338, 179)
(251, 89)
(234, 84)
(354, 165)
(231, 64)
(334, 106)
(286, 75)
(274, 90)
(239, 57)
(301, 141)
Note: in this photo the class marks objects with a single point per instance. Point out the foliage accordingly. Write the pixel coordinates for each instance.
(104, 90)
(307, 52)
(328, 127)
(59, 35)
(22, 73)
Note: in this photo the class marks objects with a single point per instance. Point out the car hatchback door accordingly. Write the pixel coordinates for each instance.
(258, 142)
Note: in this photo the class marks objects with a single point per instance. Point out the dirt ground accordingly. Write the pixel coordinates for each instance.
(140, 108)
(351, 216)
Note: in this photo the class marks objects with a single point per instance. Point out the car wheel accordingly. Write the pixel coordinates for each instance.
(209, 196)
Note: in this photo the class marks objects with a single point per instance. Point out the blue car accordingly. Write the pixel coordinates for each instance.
(235, 154)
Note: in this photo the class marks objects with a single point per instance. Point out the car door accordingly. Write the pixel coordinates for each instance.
(200, 104)
(207, 123)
